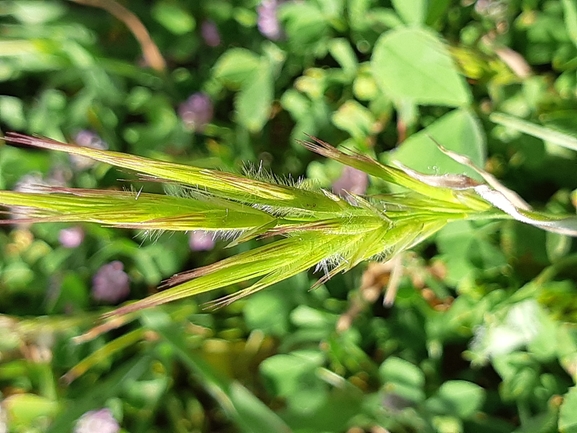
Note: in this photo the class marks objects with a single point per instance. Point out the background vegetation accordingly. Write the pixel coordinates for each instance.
(481, 336)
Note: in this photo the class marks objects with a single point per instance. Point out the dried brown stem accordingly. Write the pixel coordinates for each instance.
(150, 51)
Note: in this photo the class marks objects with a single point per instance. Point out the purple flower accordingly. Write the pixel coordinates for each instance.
(492, 9)
(210, 34)
(71, 237)
(196, 112)
(111, 284)
(268, 23)
(31, 183)
(90, 139)
(97, 421)
(351, 180)
(395, 403)
(201, 240)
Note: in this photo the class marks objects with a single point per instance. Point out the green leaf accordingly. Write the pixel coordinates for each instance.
(35, 13)
(570, 12)
(24, 409)
(412, 11)
(295, 378)
(457, 398)
(268, 311)
(286, 372)
(102, 390)
(254, 100)
(12, 110)
(568, 412)
(414, 63)
(365, 87)
(459, 131)
(297, 104)
(557, 246)
(252, 415)
(343, 53)
(403, 379)
(519, 372)
(253, 77)
(383, 17)
(355, 119)
(304, 24)
(466, 248)
(173, 18)
(236, 66)
(437, 9)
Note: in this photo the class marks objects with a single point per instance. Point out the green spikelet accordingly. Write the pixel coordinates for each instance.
(309, 227)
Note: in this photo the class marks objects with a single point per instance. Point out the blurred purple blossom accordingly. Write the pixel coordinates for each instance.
(495, 10)
(86, 138)
(71, 237)
(268, 23)
(351, 180)
(196, 112)
(395, 403)
(111, 284)
(31, 183)
(201, 240)
(210, 34)
(97, 421)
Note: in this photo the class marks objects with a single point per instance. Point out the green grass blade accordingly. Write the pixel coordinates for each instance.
(250, 414)
(103, 353)
(544, 133)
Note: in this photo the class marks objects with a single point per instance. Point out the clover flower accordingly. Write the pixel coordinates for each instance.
(209, 33)
(97, 421)
(196, 112)
(89, 139)
(71, 237)
(351, 180)
(111, 284)
(268, 23)
(492, 9)
(201, 240)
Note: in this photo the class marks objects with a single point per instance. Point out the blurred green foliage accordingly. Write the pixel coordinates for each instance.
(482, 336)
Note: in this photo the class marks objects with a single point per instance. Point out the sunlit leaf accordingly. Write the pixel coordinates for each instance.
(459, 131)
(542, 132)
(567, 418)
(412, 63)
(412, 11)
